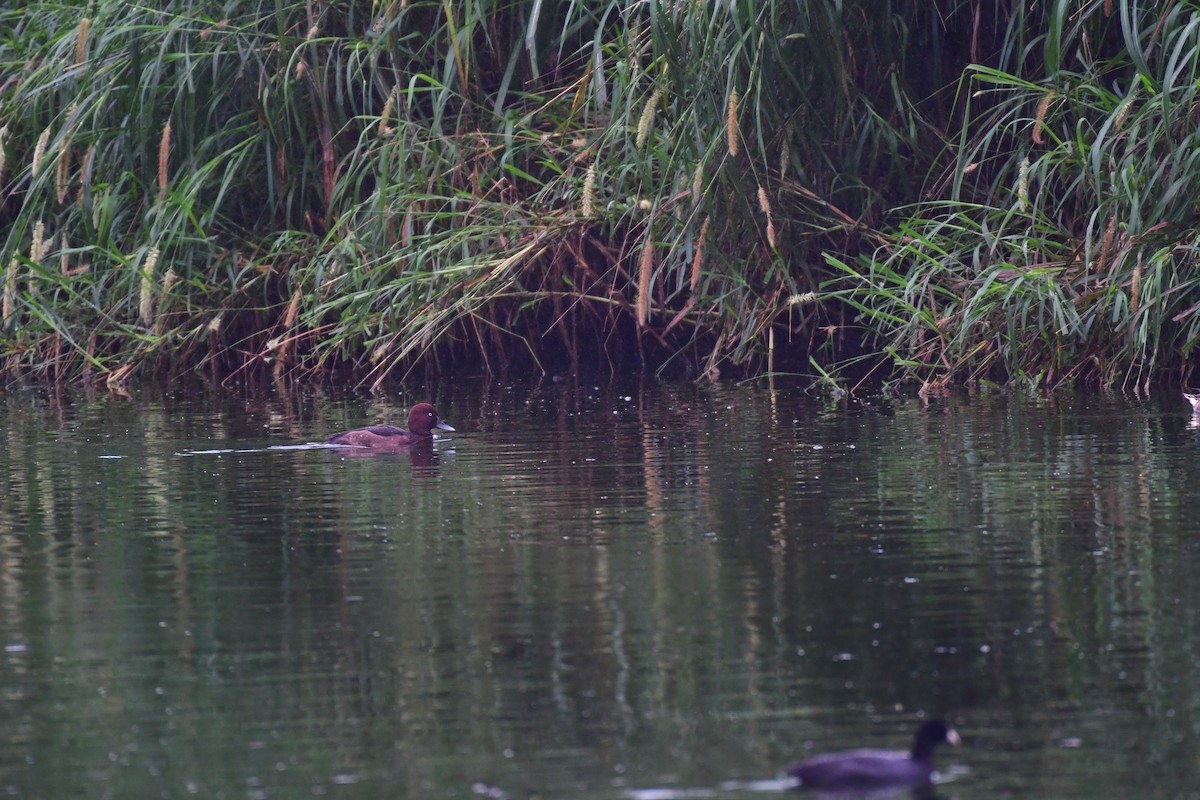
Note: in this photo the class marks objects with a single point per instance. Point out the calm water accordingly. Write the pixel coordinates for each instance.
(593, 592)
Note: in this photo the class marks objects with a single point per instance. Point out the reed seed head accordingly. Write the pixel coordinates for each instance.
(39, 151)
(1135, 286)
(646, 121)
(731, 128)
(385, 116)
(1039, 121)
(1106, 241)
(1023, 184)
(698, 258)
(764, 202)
(146, 294)
(37, 247)
(62, 177)
(3, 152)
(293, 309)
(645, 268)
(589, 191)
(10, 291)
(85, 171)
(1126, 107)
(81, 40)
(164, 160)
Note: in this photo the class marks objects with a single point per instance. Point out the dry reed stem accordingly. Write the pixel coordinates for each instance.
(146, 294)
(645, 268)
(589, 191)
(698, 258)
(81, 41)
(1039, 121)
(646, 121)
(731, 128)
(164, 164)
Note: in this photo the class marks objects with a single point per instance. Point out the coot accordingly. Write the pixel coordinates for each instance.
(876, 769)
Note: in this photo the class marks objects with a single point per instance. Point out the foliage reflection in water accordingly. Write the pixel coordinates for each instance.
(592, 592)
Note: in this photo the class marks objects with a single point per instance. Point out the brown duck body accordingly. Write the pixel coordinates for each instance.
(422, 419)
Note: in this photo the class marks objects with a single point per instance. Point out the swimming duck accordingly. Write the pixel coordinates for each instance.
(422, 419)
(876, 769)
(1194, 399)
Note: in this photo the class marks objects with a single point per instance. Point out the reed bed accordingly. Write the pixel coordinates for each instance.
(953, 191)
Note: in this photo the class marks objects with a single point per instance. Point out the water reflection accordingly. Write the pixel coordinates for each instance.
(593, 592)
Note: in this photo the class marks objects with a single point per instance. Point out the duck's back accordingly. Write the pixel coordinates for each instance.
(368, 437)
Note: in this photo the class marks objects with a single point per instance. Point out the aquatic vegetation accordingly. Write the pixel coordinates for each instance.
(955, 190)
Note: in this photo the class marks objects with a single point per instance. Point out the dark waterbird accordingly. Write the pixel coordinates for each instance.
(422, 419)
(866, 770)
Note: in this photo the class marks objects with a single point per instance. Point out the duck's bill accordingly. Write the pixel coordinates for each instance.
(443, 426)
(953, 738)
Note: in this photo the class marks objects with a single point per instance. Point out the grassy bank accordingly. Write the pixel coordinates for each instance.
(955, 191)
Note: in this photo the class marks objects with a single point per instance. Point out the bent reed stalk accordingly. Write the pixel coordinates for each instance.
(372, 187)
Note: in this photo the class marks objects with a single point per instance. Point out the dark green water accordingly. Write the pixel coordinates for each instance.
(652, 591)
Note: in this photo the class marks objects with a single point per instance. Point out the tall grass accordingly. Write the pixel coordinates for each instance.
(1062, 244)
(304, 187)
